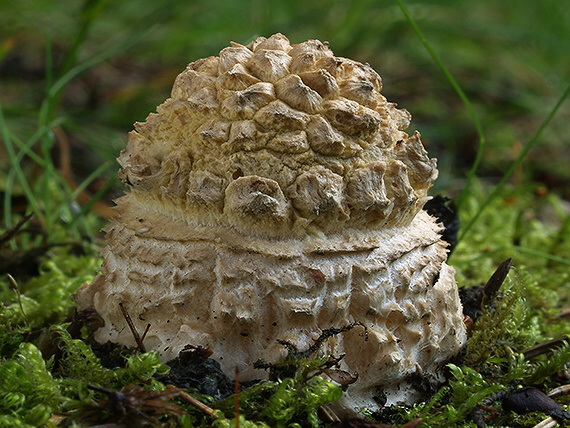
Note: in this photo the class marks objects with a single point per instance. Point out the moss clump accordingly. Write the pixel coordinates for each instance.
(531, 227)
(281, 401)
(281, 404)
(79, 367)
(504, 325)
(29, 394)
(33, 389)
(45, 299)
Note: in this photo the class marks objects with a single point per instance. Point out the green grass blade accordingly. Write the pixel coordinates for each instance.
(49, 62)
(46, 144)
(72, 224)
(8, 220)
(461, 94)
(17, 150)
(85, 183)
(51, 180)
(48, 106)
(524, 250)
(90, 12)
(87, 207)
(16, 170)
(542, 254)
(515, 164)
(25, 149)
(47, 111)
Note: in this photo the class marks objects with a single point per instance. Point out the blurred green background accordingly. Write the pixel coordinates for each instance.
(512, 59)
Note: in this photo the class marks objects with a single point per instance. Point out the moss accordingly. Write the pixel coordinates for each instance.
(46, 298)
(79, 367)
(32, 390)
(243, 422)
(285, 400)
(29, 394)
(522, 313)
(465, 392)
(505, 324)
(546, 365)
(522, 223)
(293, 399)
(531, 227)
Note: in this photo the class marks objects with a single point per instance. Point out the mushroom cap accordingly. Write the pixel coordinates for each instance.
(275, 195)
(272, 139)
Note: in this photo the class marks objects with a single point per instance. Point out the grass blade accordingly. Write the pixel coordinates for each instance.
(87, 207)
(461, 94)
(48, 106)
(17, 171)
(85, 183)
(515, 164)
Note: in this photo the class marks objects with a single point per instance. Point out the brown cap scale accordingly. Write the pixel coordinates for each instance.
(271, 162)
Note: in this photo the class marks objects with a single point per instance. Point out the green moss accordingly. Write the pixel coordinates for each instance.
(32, 390)
(521, 223)
(504, 325)
(546, 365)
(522, 313)
(293, 400)
(514, 225)
(467, 390)
(79, 366)
(533, 229)
(29, 394)
(46, 298)
(243, 422)
(288, 399)
(59, 278)
(10, 338)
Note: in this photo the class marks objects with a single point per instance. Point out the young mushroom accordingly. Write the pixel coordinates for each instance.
(273, 196)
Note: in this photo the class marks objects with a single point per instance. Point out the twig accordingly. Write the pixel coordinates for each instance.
(145, 333)
(199, 405)
(558, 392)
(10, 233)
(547, 423)
(544, 347)
(134, 331)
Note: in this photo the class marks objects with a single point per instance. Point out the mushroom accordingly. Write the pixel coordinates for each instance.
(275, 195)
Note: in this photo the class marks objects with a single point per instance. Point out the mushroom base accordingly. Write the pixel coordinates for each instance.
(237, 301)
